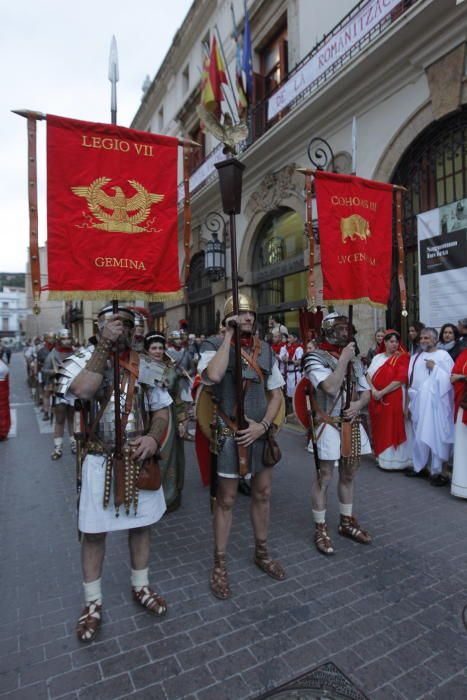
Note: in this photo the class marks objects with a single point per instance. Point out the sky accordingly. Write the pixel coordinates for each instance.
(54, 58)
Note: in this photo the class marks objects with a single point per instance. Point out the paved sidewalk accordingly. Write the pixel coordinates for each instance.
(387, 615)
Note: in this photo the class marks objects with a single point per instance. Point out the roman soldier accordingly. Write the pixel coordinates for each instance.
(62, 410)
(45, 387)
(339, 437)
(119, 481)
(241, 449)
(185, 369)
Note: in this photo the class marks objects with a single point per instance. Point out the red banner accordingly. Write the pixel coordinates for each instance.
(111, 212)
(355, 233)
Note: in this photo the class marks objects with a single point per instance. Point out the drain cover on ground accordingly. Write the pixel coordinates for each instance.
(326, 681)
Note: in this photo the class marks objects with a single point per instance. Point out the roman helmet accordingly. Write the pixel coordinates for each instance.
(50, 338)
(329, 325)
(245, 303)
(126, 315)
(64, 337)
(175, 338)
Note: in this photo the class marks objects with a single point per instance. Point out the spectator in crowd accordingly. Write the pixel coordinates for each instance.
(462, 328)
(291, 354)
(414, 336)
(449, 340)
(431, 406)
(5, 419)
(379, 335)
(459, 381)
(387, 376)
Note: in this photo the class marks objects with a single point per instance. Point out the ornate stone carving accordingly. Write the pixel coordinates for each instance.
(274, 189)
(445, 81)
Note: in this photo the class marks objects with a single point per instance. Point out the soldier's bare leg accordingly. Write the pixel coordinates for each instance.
(70, 416)
(92, 559)
(260, 511)
(139, 542)
(222, 523)
(318, 503)
(60, 411)
(349, 526)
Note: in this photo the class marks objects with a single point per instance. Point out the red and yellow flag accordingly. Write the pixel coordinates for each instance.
(355, 233)
(111, 212)
(213, 76)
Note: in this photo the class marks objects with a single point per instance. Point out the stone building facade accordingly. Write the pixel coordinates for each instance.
(395, 69)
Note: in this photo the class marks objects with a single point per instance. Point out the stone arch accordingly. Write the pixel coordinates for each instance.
(285, 188)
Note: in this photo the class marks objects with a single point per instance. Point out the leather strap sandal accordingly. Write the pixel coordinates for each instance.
(89, 623)
(323, 542)
(271, 567)
(57, 453)
(150, 600)
(349, 527)
(219, 581)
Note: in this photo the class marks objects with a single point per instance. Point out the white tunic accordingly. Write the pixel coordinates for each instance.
(459, 470)
(431, 406)
(92, 516)
(400, 457)
(329, 438)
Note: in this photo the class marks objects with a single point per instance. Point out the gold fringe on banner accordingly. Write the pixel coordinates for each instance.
(361, 300)
(121, 295)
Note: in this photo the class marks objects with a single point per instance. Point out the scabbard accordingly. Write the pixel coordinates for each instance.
(242, 460)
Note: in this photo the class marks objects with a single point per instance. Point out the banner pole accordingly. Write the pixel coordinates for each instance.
(118, 472)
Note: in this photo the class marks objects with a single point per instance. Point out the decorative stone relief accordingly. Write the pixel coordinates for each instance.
(445, 81)
(274, 189)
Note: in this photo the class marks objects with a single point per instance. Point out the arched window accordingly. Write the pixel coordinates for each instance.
(279, 273)
(201, 303)
(434, 171)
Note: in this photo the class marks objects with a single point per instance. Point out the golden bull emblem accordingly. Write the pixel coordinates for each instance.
(118, 212)
(355, 226)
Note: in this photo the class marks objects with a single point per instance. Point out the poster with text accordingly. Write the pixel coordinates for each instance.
(442, 268)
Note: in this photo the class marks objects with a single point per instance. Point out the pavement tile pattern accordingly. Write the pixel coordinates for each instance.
(389, 616)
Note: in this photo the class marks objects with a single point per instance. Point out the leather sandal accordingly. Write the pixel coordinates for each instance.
(89, 622)
(219, 581)
(56, 454)
(323, 542)
(271, 567)
(150, 600)
(349, 527)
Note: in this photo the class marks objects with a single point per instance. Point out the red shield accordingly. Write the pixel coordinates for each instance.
(302, 402)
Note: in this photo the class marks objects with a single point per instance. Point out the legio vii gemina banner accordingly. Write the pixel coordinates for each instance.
(111, 212)
(355, 233)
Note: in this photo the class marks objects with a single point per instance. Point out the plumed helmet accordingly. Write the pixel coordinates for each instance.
(174, 335)
(245, 303)
(328, 327)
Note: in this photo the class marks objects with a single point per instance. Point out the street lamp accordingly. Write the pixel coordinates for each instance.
(214, 254)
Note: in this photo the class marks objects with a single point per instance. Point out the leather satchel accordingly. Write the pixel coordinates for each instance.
(271, 452)
(149, 476)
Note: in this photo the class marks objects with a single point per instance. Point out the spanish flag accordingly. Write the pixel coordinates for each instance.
(213, 77)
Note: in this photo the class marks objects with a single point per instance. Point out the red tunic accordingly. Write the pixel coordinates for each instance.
(5, 419)
(460, 367)
(387, 415)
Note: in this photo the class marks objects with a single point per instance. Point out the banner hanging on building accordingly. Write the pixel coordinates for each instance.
(355, 234)
(442, 263)
(111, 212)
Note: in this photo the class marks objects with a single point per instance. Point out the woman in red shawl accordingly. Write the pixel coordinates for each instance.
(387, 376)
(5, 421)
(459, 470)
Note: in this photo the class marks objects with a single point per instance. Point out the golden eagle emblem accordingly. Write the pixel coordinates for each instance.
(119, 212)
(355, 225)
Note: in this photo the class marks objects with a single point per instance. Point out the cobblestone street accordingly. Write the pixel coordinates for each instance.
(389, 615)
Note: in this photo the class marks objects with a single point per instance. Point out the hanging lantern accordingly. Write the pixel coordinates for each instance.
(214, 258)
